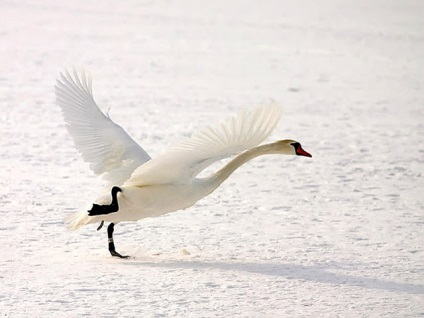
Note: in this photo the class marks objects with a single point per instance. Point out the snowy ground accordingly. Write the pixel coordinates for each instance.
(338, 235)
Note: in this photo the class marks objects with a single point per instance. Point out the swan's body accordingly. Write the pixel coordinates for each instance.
(169, 182)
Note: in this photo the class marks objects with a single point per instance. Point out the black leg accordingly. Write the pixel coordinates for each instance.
(112, 251)
(101, 225)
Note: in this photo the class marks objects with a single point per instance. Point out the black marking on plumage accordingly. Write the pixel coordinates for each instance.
(98, 209)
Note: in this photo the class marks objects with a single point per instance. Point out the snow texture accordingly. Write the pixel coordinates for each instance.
(338, 235)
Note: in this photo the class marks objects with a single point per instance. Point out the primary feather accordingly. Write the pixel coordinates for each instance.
(109, 150)
(187, 159)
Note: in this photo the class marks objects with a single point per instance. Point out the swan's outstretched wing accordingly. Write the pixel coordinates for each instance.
(111, 152)
(210, 144)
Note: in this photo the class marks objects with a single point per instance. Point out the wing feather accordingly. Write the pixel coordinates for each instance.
(109, 150)
(187, 159)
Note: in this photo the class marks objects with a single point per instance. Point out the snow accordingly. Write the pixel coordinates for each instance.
(338, 235)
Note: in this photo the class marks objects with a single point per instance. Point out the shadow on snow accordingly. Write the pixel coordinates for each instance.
(315, 273)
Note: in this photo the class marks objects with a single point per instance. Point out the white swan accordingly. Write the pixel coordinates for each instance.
(144, 187)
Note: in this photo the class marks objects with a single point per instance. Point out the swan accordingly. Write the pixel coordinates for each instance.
(138, 186)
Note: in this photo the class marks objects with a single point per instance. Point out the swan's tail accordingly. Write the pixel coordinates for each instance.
(79, 219)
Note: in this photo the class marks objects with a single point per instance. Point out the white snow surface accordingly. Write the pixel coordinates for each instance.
(338, 235)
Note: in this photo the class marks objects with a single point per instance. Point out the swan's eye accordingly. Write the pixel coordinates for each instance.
(295, 145)
(299, 150)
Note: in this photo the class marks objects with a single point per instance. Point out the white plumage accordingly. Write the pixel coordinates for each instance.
(108, 149)
(169, 182)
(187, 159)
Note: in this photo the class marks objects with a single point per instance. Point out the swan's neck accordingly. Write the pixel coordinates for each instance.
(214, 181)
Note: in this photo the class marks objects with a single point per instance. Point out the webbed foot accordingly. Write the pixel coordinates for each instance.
(116, 254)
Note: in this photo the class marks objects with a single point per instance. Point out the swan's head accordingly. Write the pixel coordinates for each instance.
(292, 147)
